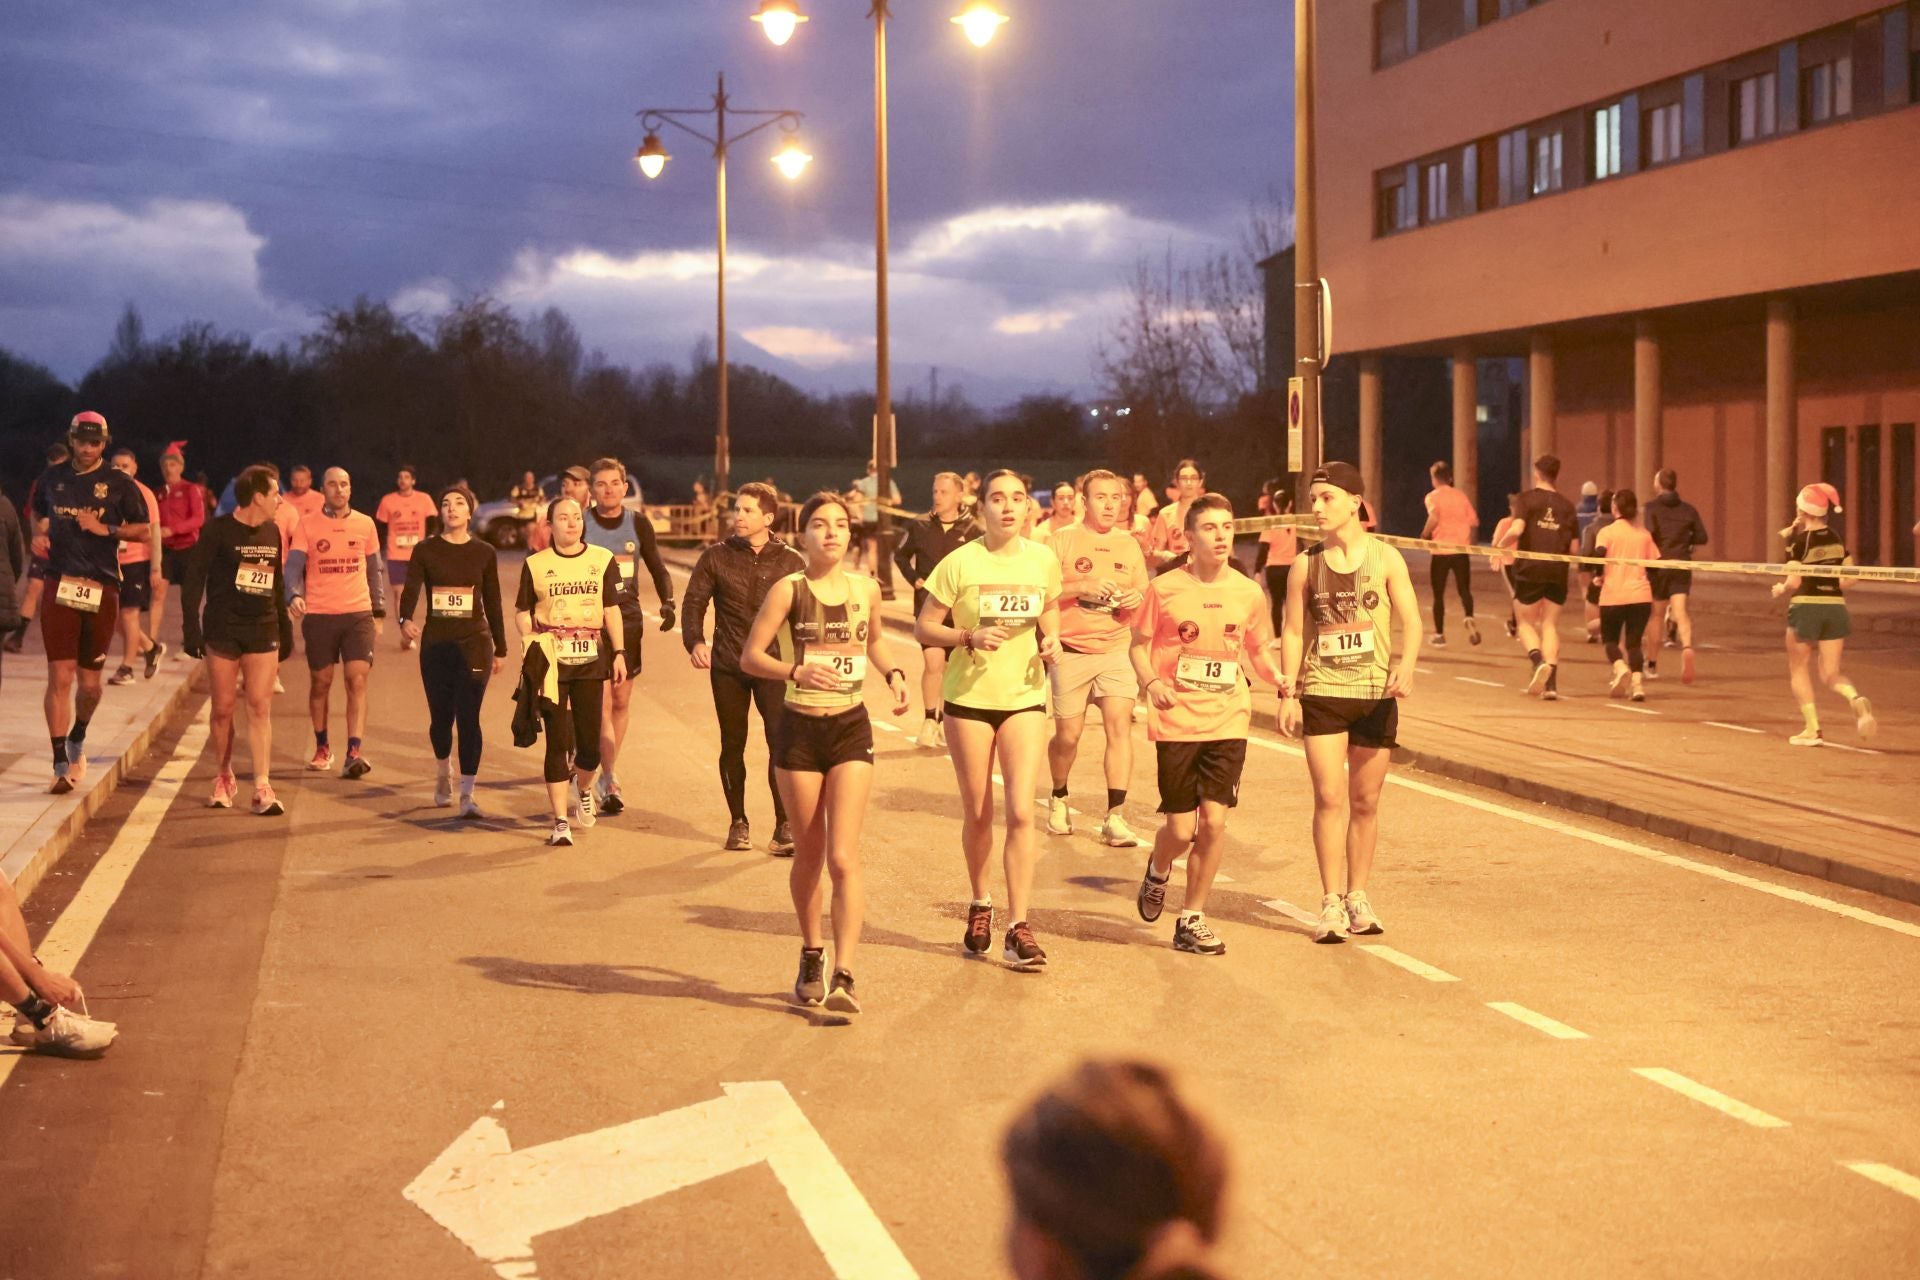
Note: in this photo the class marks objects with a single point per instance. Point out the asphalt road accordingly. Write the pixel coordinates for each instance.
(314, 1009)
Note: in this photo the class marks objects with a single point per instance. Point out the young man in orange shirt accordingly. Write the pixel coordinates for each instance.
(1452, 519)
(337, 593)
(405, 515)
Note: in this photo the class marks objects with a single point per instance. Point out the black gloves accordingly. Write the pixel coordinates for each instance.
(667, 616)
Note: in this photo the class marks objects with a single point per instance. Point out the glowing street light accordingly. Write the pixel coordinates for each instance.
(980, 22)
(791, 160)
(652, 156)
(779, 18)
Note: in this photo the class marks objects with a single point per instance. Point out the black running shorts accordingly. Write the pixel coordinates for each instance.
(1526, 592)
(805, 743)
(1194, 771)
(1367, 722)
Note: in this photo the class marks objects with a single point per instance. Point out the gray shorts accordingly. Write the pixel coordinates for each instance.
(337, 637)
(1077, 677)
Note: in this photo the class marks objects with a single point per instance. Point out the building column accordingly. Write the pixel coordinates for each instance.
(1539, 438)
(1372, 428)
(1783, 422)
(1646, 406)
(1466, 423)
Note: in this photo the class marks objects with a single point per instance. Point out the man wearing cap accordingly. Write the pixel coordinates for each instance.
(82, 511)
(1344, 672)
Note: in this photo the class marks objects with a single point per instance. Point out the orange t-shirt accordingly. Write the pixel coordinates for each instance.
(1201, 634)
(1168, 531)
(310, 503)
(1625, 583)
(406, 516)
(1283, 546)
(337, 551)
(287, 517)
(1454, 520)
(142, 551)
(1087, 559)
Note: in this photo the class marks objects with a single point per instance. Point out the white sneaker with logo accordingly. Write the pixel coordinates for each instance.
(67, 1034)
(1117, 834)
(581, 808)
(1059, 817)
(1360, 917)
(1333, 921)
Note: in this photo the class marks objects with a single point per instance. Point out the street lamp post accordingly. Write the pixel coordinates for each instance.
(652, 158)
(980, 21)
(1307, 313)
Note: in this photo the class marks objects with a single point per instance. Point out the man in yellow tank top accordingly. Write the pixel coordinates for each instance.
(1344, 673)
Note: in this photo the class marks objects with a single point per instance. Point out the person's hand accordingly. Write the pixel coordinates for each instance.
(667, 617)
(166, 531)
(1779, 589)
(410, 630)
(1125, 599)
(90, 522)
(702, 655)
(1049, 648)
(297, 608)
(1289, 717)
(155, 578)
(195, 650)
(57, 988)
(1161, 694)
(813, 675)
(1400, 682)
(499, 665)
(619, 668)
(901, 698)
(379, 626)
(42, 546)
(987, 639)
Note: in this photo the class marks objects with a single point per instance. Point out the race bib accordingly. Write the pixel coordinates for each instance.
(577, 648)
(850, 666)
(79, 594)
(451, 602)
(253, 578)
(1206, 673)
(406, 539)
(1005, 606)
(1342, 640)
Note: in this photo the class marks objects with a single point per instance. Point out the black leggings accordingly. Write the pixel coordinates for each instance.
(1277, 595)
(453, 696)
(1630, 618)
(734, 695)
(573, 726)
(1460, 568)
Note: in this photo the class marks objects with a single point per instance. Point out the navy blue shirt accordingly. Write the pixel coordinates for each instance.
(62, 494)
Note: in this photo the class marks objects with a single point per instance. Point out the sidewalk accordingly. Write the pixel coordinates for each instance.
(37, 829)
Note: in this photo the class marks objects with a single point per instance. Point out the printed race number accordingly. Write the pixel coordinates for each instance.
(253, 578)
(1346, 640)
(451, 602)
(1008, 605)
(1206, 673)
(577, 648)
(79, 594)
(851, 668)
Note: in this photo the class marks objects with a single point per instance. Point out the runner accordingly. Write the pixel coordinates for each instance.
(1626, 597)
(1451, 519)
(1817, 621)
(568, 610)
(183, 513)
(82, 512)
(1509, 527)
(404, 517)
(929, 540)
(300, 493)
(13, 566)
(36, 560)
(1062, 515)
(1548, 524)
(237, 567)
(338, 595)
(735, 575)
(1343, 679)
(629, 537)
(139, 578)
(1279, 547)
(1103, 578)
(465, 640)
(43, 999)
(1003, 596)
(1166, 535)
(1592, 575)
(1677, 529)
(1199, 623)
(826, 623)
(867, 489)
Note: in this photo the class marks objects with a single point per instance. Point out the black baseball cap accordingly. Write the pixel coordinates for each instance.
(1341, 475)
(89, 427)
(577, 472)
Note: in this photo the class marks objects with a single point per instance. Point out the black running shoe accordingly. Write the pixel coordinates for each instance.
(1552, 692)
(1190, 933)
(979, 927)
(356, 766)
(153, 656)
(611, 804)
(1021, 951)
(1153, 894)
(810, 985)
(16, 639)
(840, 997)
(738, 837)
(781, 846)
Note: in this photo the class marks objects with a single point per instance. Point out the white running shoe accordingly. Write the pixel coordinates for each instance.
(278, 687)
(561, 833)
(581, 806)
(1621, 674)
(940, 732)
(1333, 922)
(68, 1034)
(1639, 690)
(1360, 916)
(1059, 817)
(468, 809)
(1439, 641)
(929, 734)
(1117, 834)
(1807, 738)
(1864, 720)
(225, 788)
(443, 790)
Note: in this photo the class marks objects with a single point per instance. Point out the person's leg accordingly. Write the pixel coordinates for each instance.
(1437, 584)
(260, 669)
(1021, 747)
(319, 690)
(1549, 632)
(558, 725)
(157, 612)
(1831, 676)
(847, 789)
(357, 675)
(808, 814)
(1636, 635)
(970, 743)
(1203, 864)
(732, 696)
(770, 696)
(933, 673)
(585, 705)
(1116, 717)
(130, 636)
(1277, 596)
(442, 669)
(1613, 625)
(1063, 747)
(223, 688)
(1366, 775)
(1462, 570)
(1800, 680)
(1528, 621)
(470, 693)
(1682, 617)
(58, 701)
(615, 705)
(87, 683)
(1656, 630)
(1327, 769)
(1174, 838)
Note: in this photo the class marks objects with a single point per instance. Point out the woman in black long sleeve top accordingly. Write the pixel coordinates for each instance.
(464, 642)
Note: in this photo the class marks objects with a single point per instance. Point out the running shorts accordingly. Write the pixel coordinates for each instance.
(920, 598)
(397, 572)
(244, 640)
(337, 637)
(1078, 677)
(1194, 771)
(37, 569)
(1367, 722)
(1593, 593)
(1668, 583)
(173, 563)
(633, 630)
(136, 585)
(985, 715)
(818, 744)
(1528, 592)
(73, 635)
(1812, 623)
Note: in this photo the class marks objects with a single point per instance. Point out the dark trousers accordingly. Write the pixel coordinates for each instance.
(1460, 568)
(1277, 595)
(573, 727)
(453, 697)
(733, 695)
(1628, 622)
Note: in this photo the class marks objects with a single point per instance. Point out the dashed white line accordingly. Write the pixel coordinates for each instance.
(1490, 684)
(1419, 968)
(1887, 1176)
(1538, 1021)
(890, 728)
(1290, 911)
(1737, 728)
(1859, 751)
(1639, 711)
(1720, 1102)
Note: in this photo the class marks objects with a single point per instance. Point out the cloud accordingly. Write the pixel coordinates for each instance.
(802, 345)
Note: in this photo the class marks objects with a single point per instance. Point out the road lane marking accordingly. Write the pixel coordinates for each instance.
(1859, 751)
(1538, 1021)
(1639, 711)
(1490, 684)
(1737, 728)
(74, 932)
(1711, 1097)
(889, 728)
(1418, 967)
(1887, 1176)
(1290, 911)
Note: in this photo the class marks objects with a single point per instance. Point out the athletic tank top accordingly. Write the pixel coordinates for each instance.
(1348, 627)
(1821, 546)
(830, 635)
(621, 542)
(567, 597)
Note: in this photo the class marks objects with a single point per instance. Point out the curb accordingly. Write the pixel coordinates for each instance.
(48, 840)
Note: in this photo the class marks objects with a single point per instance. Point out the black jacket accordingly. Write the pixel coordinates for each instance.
(13, 564)
(1676, 527)
(927, 544)
(527, 698)
(736, 579)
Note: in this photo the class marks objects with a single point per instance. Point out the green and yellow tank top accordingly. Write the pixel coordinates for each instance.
(833, 636)
(1347, 627)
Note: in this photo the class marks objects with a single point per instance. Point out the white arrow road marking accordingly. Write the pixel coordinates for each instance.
(495, 1200)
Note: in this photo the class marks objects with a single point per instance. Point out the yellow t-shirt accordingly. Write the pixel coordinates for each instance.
(1009, 589)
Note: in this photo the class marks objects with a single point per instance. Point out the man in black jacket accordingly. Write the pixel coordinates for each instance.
(1677, 529)
(736, 575)
(928, 541)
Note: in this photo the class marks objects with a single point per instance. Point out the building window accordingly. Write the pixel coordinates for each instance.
(1826, 91)
(1663, 134)
(1434, 177)
(1546, 163)
(1606, 141)
(1389, 32)
(1439, 21)
(1755, 108)
(1396, 211)
(1514, 168)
